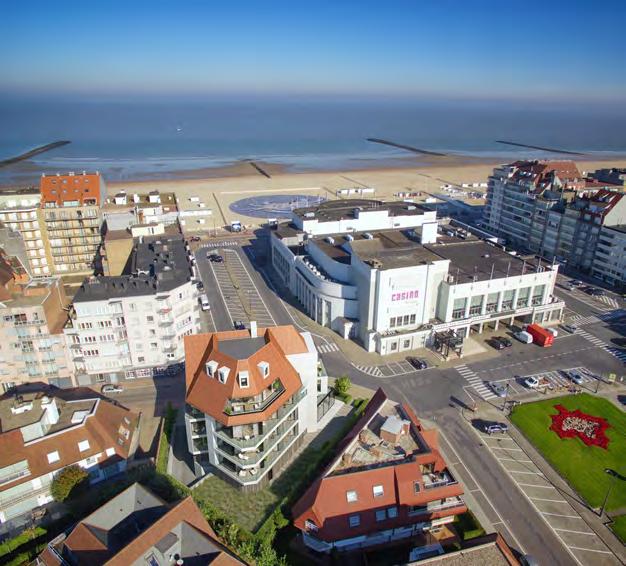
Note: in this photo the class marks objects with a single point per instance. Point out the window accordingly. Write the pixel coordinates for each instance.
(141, 359)
(223, 374)
(394, 346)
(150, 318)
(351, 496)
(244, 380)
(354, 520)
(53, 457)
(392, 512)
(378, 491)
(381, 515)
(83, 445)
(406, 344)
(416, 487)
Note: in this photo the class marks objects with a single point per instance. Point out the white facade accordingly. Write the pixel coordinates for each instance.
(250, 454)
(128, 337)
(609, 262)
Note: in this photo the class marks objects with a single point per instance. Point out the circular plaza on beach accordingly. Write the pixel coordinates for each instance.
(273, 206)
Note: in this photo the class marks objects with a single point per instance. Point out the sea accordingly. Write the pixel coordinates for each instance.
(139, 138)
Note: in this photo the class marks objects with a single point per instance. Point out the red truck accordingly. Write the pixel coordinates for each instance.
(541, 336)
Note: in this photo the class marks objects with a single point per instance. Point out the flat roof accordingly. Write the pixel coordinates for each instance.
(241, 348)
(370, 449)
(617, 228)
(157, 266)
(331, 210)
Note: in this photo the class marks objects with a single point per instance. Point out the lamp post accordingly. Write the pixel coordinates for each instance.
(506, 396)
(614, 475)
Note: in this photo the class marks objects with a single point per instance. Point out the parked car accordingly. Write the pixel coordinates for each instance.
(569, 328)
(531, 382)
(200, 285)
(498, 388)
(417, 363)
(594, 291)
(111, 388)
(553, 331)
(239, 325)
(495, 343)
(493, 428)
(524, 337)
(204, 303)
(504, 341)
(575, 376)
(195, 238)
(217, 259)
(575, 283)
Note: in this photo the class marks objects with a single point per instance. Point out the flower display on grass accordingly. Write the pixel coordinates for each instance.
(572, 424)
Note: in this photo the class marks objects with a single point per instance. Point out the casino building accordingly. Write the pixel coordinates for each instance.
(388, 276)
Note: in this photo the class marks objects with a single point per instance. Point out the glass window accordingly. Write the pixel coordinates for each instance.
(53, 457)
(351, 496)
(381, 515)
(378, 491)
(392, 512)
(354, 520)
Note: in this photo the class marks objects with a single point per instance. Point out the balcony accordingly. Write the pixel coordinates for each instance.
(256, 404)
(249, 438)
(439, 479)
(164, 309)
(198, 429)
(447, 503)
(164, 323)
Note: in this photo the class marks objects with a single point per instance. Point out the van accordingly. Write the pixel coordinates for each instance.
(524, 337)
(204, 303)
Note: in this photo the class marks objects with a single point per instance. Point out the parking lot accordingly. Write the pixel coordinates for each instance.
(238, 291)
(581, 541)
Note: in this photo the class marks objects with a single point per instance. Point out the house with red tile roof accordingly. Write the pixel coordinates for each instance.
(387, 482)
(251, 397)
(137, 527)
(44, 429)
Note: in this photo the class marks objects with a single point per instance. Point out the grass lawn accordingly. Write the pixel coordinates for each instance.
(619, 527)
(582, 466)
(249, 510)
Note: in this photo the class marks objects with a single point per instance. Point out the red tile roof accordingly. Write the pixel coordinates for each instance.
(325, 503)
(106, 427)
(209, 395)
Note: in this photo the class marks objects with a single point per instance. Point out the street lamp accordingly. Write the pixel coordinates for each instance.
(614, 475)
(506, 396)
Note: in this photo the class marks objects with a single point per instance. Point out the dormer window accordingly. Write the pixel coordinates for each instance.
(351, 496)
(211, 368)
(222, 374)
(378, 491)
(264, 368)
(244, 379)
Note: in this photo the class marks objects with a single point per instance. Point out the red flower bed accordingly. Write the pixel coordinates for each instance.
(572, 424)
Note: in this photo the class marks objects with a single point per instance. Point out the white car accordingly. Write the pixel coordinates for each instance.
(531, 382)
(110, 388)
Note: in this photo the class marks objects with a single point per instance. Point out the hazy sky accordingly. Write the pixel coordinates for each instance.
(552, 49)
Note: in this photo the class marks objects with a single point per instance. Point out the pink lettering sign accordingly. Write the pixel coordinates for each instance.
(404, 295)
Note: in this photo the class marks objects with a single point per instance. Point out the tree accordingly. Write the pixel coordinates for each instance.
(66, 480)
(342, 385)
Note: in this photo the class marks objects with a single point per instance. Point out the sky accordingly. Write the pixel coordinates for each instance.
(465, 49)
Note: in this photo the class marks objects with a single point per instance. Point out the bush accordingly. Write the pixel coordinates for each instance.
(468, 526)
(66, 481)
(342, 386)
(165, 440)
(28, 535)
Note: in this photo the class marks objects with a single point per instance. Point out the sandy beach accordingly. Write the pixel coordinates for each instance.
(226, 185)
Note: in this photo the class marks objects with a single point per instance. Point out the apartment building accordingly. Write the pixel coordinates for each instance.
(549, 208)
(45, 429)
(138, 528)
(609, 262)
(32, 315)
(251, 396)
(398, 289)
(387, 482)
(23, 229)
(132, 325)
(72, 219)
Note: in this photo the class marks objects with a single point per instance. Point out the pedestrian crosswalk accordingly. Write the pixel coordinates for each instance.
(613, 303)
(369, 370)
(476, 382)
(220, 244)
(580, 320)
(328, 347)
(616, 352)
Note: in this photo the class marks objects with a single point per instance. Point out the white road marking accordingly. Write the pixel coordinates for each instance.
(590, 550)
(590, 533)
(559, 515)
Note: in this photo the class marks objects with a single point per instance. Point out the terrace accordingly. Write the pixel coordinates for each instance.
(256, 404)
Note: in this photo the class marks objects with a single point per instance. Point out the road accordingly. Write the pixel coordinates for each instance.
(240, 289)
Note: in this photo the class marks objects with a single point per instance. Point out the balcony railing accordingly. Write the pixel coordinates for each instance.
(254, 405)
(434, 480)
(447, 504)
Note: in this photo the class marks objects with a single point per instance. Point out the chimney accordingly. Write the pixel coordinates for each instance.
(253, 329)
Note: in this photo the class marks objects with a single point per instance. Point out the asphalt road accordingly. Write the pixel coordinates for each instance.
(438, 394)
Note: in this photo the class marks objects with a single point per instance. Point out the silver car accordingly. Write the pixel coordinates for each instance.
(498, 388)
(575, 376)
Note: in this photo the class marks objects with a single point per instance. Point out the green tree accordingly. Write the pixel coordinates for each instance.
(342, 385)
(66, 481)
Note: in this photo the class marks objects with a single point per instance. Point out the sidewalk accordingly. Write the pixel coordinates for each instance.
(589, 516)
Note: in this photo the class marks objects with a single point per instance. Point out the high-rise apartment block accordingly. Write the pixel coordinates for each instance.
(129, 326)
(550, 208)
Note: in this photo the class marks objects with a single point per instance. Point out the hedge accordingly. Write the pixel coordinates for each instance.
(468, 526)
(28, 535)
(165, 440)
